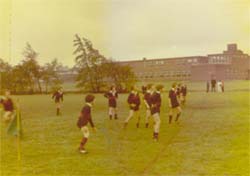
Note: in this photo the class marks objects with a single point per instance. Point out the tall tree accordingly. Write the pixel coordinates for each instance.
(32, 69)
(89, 64)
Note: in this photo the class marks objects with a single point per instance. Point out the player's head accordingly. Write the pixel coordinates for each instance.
(90, 98)
(159, 87)
(113, 88)
(149, 86)
(7, 93)
(174, 85)
(133, 88)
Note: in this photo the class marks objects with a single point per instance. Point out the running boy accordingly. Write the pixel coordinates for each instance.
(147, 102)
(183, 94)
(8, 106)
(134, 105)
(174, 104)
(84, 119)
(58, 97)
(112, 95)
(155, 110)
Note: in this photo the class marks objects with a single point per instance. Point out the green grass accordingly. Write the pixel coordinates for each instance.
(212, 139)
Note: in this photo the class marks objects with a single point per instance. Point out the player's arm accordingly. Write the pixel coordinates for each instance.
(146, 103)
(92, 124)
(129, 100)
(1, 100)
(169, 99)
(62, 97)
(53, 95)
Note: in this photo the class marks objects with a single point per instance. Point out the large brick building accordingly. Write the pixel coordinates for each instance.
(229, 65)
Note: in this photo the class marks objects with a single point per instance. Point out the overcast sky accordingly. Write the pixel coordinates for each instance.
(123, 29)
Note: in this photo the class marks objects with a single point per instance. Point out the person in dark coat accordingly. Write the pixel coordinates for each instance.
(83, 120)
(112, 97)
(173, 104)
(213, 85)
(183, 94)
(134, 106)
(58, 98)
(155, 110)
(208, 86)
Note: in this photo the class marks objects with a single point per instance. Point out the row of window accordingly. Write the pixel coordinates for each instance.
(163, 76)
(220, 60)
(163, 73)
(179, 61)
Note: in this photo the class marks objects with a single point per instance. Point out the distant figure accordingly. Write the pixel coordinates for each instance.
(222, 86)
(208, 86)
(219, 86)
(183, 94)
(58, 97)
(178, 92)
(213, 84)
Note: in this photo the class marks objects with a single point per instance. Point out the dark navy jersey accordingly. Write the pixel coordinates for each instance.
(134, 101)
(112, 96)
(155, 103)
(85, 117)
(173, 98)
(57, 96)
(147, 98)
(7, 104)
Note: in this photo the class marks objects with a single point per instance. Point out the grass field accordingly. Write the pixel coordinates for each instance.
(212, 139)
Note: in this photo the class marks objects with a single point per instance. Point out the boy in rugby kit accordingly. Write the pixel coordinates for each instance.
(155, 110)
(134, 105)
(147, 102)
(8, 107)
(213, 85)
(112, 96)
(174, 104)
(183, 94)
(83, 120)
(58, 97)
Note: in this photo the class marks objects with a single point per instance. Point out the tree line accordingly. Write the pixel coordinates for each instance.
(29, 76)
(95, 73)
